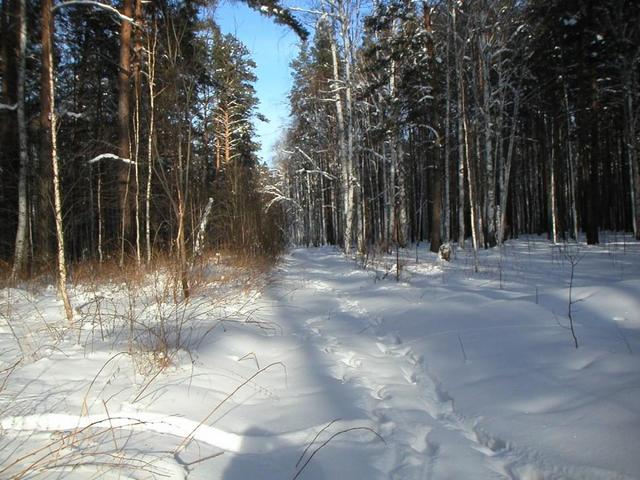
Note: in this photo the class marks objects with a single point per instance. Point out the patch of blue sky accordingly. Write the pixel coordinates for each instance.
(272, 47)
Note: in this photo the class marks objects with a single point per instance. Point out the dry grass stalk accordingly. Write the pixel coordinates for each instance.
(326, 442)
(230, 395)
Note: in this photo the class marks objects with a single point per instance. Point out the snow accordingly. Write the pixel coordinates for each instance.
(110, 156)
(463, 374)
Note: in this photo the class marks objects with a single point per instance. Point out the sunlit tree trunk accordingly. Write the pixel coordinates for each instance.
(47, 64)
(342, 148)
(151, 75)
(137, 81)
(461, 140)
(447, 132)
(489, 161)
(21, 233)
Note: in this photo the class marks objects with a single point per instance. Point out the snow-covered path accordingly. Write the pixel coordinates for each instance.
(424, 433)
(463, 374)
(528, 405)
(524, 403)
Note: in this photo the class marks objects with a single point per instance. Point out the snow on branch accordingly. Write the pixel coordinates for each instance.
(315, 170)
(94, 3)
(74, 115)
(277, 197)
(318, 171)
(307, 10)
(110, 156)
(5, 106)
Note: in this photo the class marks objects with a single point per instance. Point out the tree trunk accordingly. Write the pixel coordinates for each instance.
(124, 147)
(151, 72)
(632, 157)
(402, 195)
(572, 170)
(4, 48)
(100, 218)
(47, 64)
(347, 214)
(504, 186)
(137, 80)
(461, 140)
(181, 244)
(9, 144)
(436, 211)
(21, 232)
(470, 181)
(349, 205)
(202, 229)
(593, 202)
(490, 196)
(552, 181)
(447, 133)
(45, 218)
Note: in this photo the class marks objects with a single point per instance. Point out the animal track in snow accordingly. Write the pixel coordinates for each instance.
(406, 401)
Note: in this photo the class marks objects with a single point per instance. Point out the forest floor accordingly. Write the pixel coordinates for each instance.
(327, 368)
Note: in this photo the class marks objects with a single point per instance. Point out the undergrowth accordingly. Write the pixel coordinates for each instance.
(139, 315)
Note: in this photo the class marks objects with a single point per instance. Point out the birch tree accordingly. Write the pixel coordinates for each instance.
(21, 232)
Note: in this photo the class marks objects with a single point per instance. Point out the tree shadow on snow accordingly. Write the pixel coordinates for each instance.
(278, 464)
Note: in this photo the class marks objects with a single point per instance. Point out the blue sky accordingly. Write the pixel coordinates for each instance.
(272, 47)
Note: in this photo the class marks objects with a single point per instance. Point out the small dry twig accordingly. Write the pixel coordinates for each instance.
(304, 465)
(189, 437)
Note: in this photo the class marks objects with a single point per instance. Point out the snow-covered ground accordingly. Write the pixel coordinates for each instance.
(447, 374)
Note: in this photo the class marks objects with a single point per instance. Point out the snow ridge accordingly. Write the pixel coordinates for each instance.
(163, 424)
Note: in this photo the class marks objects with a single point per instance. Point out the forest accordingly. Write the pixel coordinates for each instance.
(435, 275)
(127, 130)
(448, 121)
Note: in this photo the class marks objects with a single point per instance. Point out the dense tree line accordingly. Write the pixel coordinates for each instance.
(127, 129)
(121, 125)
(456, 120)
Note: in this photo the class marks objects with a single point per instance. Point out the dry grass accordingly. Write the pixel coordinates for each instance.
(97, 448)
(101, 447)
(5, 274)
(145, 312)
(138, 312)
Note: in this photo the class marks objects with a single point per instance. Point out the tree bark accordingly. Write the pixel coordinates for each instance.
(436, 211)
(552, 181)
(572, 169)
(45, 217)
(470, 181)
(504, 186)
(632, 157)
(461, 139)
(21, 232)
(447, 133)
(124, 113)
(137, 81)
(350, 204)
(151, 75)
(47, 64)
(347, 200)
(490, 195)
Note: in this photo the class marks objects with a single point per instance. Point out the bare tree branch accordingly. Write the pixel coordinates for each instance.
(94, 3)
